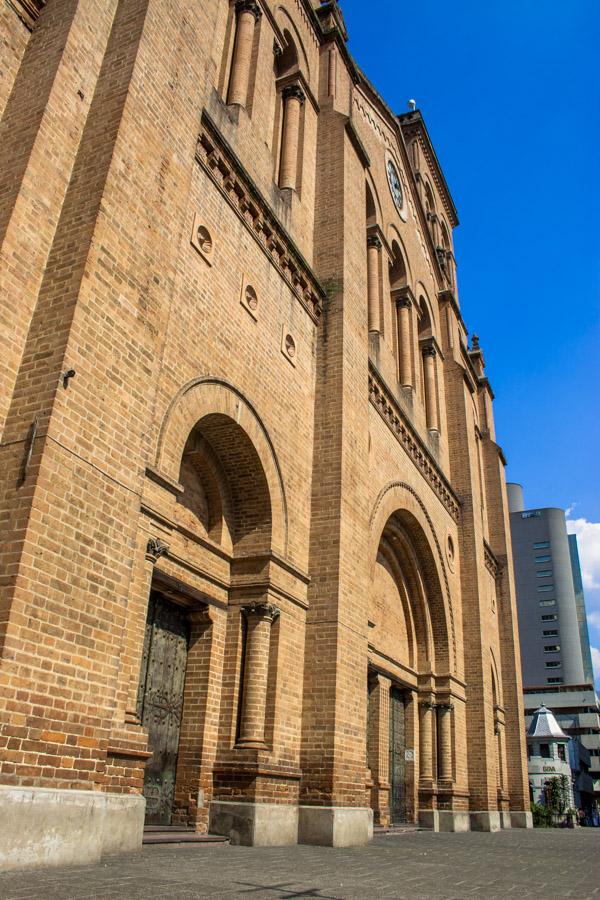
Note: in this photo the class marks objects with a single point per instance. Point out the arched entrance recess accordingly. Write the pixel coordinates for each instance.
(206, 399)
(230, 506)
(411, 642)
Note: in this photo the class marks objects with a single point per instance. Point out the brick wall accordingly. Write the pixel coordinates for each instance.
(223, 406)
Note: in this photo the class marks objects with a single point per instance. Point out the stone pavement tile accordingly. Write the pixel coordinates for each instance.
(519, 864)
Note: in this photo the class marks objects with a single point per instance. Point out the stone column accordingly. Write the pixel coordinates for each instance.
(373, 249)
(293, 99)
(444, 713)
(259, 618)
(411, 765)
(426, 708)
(431, 408)
(404, 343)
(379, 748)
(332, 71)
(247, 14)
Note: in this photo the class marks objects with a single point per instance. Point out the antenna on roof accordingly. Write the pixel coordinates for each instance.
(412, 105)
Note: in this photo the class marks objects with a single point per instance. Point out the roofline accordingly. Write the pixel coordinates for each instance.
(559, 688)
(415, 117)
(338, 35)
(363, 81)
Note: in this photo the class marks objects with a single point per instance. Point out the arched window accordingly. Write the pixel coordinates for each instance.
(286, 61)
(448, 266)
(431, 212)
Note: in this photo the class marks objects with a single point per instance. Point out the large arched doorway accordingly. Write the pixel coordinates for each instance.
(222, 517)
(408, 645)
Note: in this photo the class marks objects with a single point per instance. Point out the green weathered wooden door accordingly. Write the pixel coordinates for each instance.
(160, 702)
(398, 811)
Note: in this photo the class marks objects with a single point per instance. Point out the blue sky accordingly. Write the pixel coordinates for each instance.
(510, 92)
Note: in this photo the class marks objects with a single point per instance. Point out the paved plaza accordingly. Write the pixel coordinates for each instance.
(540, 864)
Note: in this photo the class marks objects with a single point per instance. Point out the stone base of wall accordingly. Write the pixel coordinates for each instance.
(521, 819)
(48, 827)
(486, 820)
(445, 820)
(255, 824)
(335, 826)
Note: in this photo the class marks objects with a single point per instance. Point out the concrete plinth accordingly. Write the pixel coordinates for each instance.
(48, 827)
(448, 820)
(486, 820)
(335, 826)
(255, 824)
(521, 819)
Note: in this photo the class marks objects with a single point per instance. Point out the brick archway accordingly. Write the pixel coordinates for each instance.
(208, 399)
(400, 500)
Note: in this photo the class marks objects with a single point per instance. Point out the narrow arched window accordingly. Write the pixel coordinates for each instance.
(430, 212)
(448, 265)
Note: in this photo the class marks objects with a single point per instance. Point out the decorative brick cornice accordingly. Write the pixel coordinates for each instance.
(396, 420)
(491, 563)
(235, 184)
(412, 125)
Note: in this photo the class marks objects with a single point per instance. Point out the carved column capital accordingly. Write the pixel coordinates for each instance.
(445, 707)
(427, 704)
(155, 548)
(430, 351)
(404, 303)
(248, 6)
(293, 92)
(261, 610)
(373, 241)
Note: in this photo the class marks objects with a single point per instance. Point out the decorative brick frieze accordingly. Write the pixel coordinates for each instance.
(228, 174)
(491, 563)
(396, 420)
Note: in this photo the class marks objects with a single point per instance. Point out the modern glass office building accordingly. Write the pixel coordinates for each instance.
(555, 648)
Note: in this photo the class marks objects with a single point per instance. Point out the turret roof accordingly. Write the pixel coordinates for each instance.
(544, 725)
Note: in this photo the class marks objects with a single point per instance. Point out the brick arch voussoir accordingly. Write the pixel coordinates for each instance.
(398, 497)
(206, 396)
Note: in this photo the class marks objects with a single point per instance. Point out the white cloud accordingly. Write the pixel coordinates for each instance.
(588, 541)
(596, 662)
(594, 619)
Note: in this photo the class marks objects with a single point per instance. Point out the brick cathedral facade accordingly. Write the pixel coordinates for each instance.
(255, 563)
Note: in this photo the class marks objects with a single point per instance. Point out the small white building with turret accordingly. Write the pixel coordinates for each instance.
(547, 754)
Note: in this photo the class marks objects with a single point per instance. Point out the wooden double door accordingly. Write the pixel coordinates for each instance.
(160, 701)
